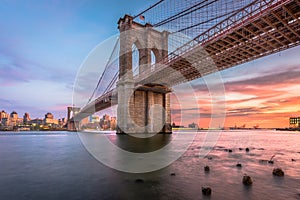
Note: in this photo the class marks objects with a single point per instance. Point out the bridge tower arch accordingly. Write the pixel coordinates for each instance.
(72, 124)
(135, 59)
(145, 108)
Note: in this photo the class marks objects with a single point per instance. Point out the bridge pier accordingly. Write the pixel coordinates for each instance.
(145, 109)
(73, 125)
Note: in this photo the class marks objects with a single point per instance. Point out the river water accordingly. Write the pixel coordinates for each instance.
(56, 165)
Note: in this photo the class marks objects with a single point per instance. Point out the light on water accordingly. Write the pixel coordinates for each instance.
(45, 165)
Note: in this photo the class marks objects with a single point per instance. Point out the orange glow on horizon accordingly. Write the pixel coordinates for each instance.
(268, 102)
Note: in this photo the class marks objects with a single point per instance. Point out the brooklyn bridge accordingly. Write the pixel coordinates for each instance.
(178, 41)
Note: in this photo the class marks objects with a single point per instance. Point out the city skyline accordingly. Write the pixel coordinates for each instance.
(38, 67)
(14, 121)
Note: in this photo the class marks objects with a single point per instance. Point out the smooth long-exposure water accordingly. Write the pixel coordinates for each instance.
(55, 165)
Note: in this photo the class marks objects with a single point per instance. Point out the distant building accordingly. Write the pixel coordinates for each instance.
(14, 115)
(176, 126)
(294, 122)
(94, 119)
(49, 119)
(105, 122)
(193, 125)
(62, 122)
(14, 119)
(5, 121)
(113, 123)
(49, 116)
(3, 114)
(85, 121)
(36, 122)
(26, 118)
(106, 117)
(4, 118)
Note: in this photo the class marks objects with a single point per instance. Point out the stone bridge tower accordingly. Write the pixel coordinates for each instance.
(141, 108)
(72, 124)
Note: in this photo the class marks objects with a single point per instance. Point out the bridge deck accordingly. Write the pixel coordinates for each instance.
(273, 29)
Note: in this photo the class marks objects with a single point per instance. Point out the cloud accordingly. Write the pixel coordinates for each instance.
(284, 77)
(253, 99)
(14, 105)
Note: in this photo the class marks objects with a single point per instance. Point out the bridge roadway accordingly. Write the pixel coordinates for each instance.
(254, 32)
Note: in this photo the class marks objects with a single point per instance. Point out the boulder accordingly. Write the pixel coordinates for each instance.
(206, 191)
(278, 172)
(239, 165)
(139, 181)
(206, 168)
(247, 180)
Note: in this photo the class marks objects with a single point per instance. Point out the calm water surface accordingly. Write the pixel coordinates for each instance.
(55, 165)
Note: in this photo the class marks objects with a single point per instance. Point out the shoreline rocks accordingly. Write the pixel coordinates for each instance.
(247, 180)
(239, 165)
(278, 172)
(139, 181)
(206, 168)
(206, 191)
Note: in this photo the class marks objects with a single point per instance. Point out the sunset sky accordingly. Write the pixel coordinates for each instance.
(264, 92)
(43, 44)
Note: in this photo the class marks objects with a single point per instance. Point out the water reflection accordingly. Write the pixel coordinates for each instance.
(141, 145)
(38, 167)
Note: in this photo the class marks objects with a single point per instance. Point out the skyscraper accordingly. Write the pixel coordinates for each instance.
(26, 118)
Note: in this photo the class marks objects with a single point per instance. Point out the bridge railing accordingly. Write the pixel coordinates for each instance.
(250, 12)
(104, 97)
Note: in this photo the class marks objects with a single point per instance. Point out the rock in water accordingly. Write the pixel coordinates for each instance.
(247, 149)
(139, 181)
(173, 174)
(263, 161)
(206, 191)
(278, 172)
(229, 150)
(247, 180)
(239, 165)
(206, 168)
(209, 157)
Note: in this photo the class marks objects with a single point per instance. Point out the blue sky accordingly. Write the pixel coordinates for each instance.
(43, 44)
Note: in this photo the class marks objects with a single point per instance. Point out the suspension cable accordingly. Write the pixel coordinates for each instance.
(112, 82)
(182, 13)
(148, 9)
(204, 22)
(106, 67)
